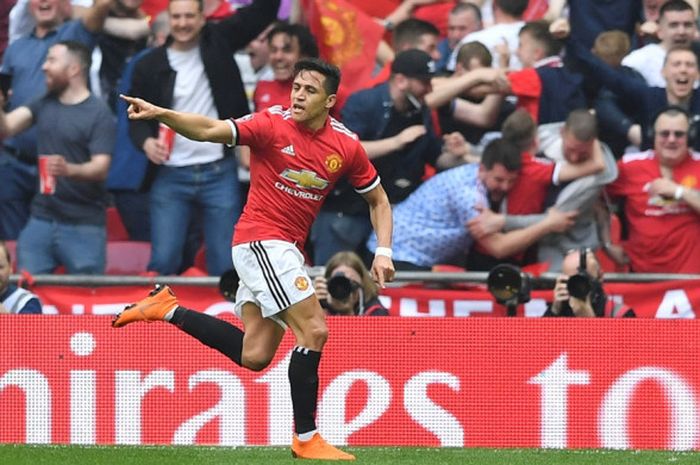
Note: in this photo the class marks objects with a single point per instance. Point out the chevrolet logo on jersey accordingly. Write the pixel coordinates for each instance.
(305, 179)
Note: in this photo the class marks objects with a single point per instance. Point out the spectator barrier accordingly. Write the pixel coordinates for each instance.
(473, 382)
(649, 297)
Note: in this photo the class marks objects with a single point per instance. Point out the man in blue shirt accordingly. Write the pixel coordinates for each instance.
(23, 61)
(430, 226)
(14, 299)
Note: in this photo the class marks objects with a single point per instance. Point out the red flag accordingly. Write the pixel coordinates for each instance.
(346, 36)
(536, 9)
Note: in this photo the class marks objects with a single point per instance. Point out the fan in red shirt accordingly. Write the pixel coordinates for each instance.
(288, 44)
(299, 154)
(662, 205)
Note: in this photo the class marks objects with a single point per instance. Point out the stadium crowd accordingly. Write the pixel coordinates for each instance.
(503, 130)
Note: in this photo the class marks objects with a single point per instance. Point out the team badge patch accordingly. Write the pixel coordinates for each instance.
(301, 283)
(334, 162)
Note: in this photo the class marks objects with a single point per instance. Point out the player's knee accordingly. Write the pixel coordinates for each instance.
(256, 361)
(316, 337)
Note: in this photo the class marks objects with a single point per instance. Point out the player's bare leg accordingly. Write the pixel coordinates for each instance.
(261, 339)
(253, 349)
(307, 320)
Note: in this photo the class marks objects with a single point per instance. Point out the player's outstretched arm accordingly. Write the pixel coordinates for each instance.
(190, 125)
(380, 214)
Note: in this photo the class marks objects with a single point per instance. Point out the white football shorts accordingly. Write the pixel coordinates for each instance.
(272, 276)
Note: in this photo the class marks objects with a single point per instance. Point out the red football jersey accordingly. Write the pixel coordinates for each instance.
(270, 93)
(530, 190)
(663, 233)
(292, 169)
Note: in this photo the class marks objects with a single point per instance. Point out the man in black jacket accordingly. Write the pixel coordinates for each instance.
(195, 72)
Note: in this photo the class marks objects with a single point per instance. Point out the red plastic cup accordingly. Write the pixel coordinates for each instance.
(166, 136)
(47, 182)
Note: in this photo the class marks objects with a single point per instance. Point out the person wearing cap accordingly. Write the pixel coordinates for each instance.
(396, 129)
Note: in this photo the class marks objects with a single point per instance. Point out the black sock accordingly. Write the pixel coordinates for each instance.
(217, 334)
(303, 380)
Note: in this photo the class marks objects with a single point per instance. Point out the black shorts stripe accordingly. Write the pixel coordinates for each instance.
(266, 274)
(273, 282)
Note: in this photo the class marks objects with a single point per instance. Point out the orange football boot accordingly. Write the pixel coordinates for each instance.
(153, 308)
(317, 448)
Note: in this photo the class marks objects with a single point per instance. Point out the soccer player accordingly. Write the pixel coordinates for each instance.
(300, 153)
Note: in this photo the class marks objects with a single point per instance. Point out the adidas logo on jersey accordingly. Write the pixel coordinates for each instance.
(289, 150)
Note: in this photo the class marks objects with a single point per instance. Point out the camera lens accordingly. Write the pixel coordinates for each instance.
(504, 282)
(228, 285)
(579, 286)
(340, 287)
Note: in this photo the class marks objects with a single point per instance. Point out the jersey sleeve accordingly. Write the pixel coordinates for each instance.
(361, 173)
(525, 83)
(253, 130)
(527, 86)
(617, 187)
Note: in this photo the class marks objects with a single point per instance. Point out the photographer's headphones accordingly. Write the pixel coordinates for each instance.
(693, 121)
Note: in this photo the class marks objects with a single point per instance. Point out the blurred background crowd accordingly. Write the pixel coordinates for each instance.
(504, 131)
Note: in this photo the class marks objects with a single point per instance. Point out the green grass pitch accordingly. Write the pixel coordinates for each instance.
(183, 455)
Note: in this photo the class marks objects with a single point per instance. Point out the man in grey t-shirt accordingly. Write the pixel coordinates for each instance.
(76, 137)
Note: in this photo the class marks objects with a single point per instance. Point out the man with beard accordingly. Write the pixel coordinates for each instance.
(430, 226)
(22, 62)
(76, 136)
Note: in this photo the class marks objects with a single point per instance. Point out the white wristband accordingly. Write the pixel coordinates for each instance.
(679, 193)
(383, 251)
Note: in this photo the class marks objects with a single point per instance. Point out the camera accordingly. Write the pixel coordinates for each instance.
(228, 285)
(340, 287)
(580, 285)
(509, 286)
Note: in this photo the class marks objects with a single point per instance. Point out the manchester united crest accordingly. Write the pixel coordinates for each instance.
(334, 162)
(301, 283)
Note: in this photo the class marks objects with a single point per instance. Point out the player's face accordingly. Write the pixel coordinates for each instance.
(56, 69)
(498, 181)
(46, 13)
(310, 103)
(576, 151)
(4, 270)
(284, 53)
(680, 72)
(186, 22)
(677, 28)
(459, 25)
(671, 139)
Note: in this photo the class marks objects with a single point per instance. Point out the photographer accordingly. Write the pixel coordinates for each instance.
(346, 288)
(579, 292)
